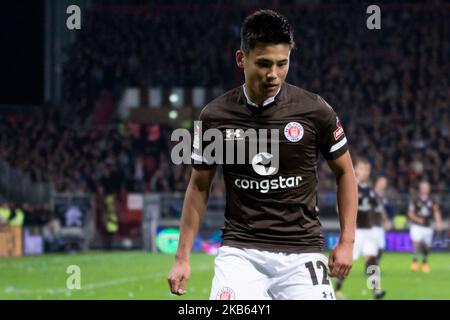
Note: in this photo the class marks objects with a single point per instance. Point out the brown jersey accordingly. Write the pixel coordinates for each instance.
(379, 209)
(367, 204)
(423, 208)
(274, 209)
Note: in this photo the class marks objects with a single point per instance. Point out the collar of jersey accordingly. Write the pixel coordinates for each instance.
(364, 185)
(265, 103)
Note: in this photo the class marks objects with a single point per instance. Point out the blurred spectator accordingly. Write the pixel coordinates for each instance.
(51, 232)
(5, 213)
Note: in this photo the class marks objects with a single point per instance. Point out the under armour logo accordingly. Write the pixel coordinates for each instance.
(325, 295)
(231, 134)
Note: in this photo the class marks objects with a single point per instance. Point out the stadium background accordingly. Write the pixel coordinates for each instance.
(86, 117)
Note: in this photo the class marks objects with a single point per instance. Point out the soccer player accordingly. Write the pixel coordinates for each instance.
(272, 242)
(365, 240)
(381, 220)
(422, 210)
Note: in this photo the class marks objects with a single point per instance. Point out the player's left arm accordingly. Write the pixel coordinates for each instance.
(341, 257)
(437, 217)
(386, 222)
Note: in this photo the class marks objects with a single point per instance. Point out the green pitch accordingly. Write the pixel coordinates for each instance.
(139, 275)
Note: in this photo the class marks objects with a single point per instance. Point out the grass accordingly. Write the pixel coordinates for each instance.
(140, 275)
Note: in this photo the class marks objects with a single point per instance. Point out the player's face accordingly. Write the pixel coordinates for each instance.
(424, 188)
(381, 184)
(362, 171)
(265, 69)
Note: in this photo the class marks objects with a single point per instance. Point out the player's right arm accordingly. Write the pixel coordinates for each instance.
(194, 208)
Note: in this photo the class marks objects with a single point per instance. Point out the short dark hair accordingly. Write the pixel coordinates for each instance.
(265, 26)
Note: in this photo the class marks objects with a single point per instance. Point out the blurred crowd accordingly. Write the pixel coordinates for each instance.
(390, 88)
(38, 219)
(107, 160)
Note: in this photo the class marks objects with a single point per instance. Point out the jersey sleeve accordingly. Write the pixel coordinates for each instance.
(199, 162)
(374, 199)
(435, 204)
(411, 206)
(332, 139)
(382, 202)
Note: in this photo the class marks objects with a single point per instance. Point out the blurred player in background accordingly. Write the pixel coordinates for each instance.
(381, 220)
(422, 210)
(272, 241)
(365, 239)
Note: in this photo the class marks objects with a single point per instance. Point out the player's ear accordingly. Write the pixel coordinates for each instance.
(240, 56)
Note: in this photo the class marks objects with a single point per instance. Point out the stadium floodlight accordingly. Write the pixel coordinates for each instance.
(173, 114)
(176, 97)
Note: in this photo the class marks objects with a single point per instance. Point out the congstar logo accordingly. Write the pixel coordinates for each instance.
(261, 164)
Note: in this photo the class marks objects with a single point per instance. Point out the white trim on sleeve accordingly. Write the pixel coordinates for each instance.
(197, 157)
(338, 145)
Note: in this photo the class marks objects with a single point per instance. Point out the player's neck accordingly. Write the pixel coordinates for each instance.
(363, 183)
(256, 99)
(423, 196)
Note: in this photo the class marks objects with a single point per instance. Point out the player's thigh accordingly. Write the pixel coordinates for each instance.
(428, 236)
(382, 240)
(236, 278)
(369, 247)
(380, 237)
(306, 292)
(307, 279)
(415, 233)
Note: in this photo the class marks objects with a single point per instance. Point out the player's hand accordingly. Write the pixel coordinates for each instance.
(341, 260)
(438, 227)
(178, 277)
(387, 225)
(420, 220)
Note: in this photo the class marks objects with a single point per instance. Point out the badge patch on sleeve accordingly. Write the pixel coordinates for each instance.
(197, 137)
(339, 132)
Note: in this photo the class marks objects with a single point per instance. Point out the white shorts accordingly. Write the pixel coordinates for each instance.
(380, 237)
(365, 244)
(250, 274)
(421, 234)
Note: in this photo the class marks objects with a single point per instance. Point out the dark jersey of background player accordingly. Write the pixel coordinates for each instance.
(424, 208)
(381, 201)
(367, 204)
(276, 212)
